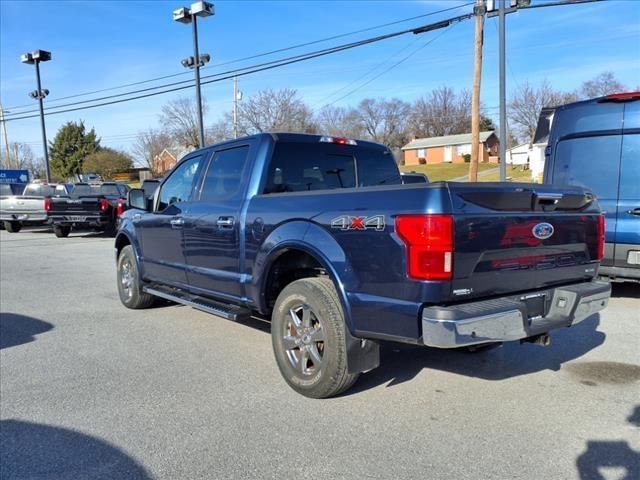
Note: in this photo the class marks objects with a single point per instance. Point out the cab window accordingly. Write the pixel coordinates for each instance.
(223, 178)
(177, 188)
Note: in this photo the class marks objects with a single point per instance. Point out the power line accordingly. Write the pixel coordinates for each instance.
(251, 57)
(231, 73)
(402, 60)
(256, 68)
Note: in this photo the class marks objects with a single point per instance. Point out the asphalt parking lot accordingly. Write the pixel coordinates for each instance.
(89, 389)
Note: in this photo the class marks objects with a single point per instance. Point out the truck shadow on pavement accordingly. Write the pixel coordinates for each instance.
(610, 455)
(16, 329)
(32, 450)
(401, 363)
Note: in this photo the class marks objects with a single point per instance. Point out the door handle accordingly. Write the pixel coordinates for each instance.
(176, 222)
(635, 211)
(225, 222)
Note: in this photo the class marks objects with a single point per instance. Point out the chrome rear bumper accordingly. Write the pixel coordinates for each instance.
(509, 318)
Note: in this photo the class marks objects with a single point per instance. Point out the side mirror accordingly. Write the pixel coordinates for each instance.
(137, 199)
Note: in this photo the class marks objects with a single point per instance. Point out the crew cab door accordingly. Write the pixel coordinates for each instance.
(160, 232)
(212, 233)
(628, 224)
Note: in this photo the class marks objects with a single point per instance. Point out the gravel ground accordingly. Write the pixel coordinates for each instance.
(89, 389)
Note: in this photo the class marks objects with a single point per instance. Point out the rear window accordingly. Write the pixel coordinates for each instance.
(591, 162)
(39, 191)
(11, 189)
(109, 190)
(299, 167)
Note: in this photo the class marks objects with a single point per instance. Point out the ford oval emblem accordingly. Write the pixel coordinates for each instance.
(542, 231)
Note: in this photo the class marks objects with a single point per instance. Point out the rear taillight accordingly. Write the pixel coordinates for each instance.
(104, 205)
(119, 208)
(429, 241)
(47, 204)
(601, 237)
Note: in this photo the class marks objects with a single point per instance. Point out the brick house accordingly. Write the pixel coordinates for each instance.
(449, 149)
(164, 162)
(167, 159)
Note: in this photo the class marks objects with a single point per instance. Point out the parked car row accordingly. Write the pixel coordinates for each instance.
(66, 206)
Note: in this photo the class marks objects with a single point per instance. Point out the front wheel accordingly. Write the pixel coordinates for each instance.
(308, 336)
(12, 227)
(129, 282)
(61, 231)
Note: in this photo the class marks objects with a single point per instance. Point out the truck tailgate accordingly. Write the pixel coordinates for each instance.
(82, 206)
(514, 239)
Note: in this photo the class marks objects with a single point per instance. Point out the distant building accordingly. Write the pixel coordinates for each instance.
(519, 155)
(164, 162)
(450, 149)
(167, 159)
(539, 143)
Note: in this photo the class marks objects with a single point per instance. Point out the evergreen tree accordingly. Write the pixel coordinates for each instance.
(71, 145)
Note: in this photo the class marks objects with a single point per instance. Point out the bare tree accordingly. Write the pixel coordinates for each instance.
(150, 143)
(275, 110)
(384, 121)
(340, 121)
(441, 112)
(21, 157)
(180, 118)
(603, 84)
(527, 101)
(221, 130)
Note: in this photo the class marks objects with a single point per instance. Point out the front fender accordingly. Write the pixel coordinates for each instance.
(317, 242)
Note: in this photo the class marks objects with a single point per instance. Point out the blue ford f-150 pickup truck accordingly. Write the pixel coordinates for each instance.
(319, 235)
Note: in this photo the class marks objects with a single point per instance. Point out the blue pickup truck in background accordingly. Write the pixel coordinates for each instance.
(320, 236)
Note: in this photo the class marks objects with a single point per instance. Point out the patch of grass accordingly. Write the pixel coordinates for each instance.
(513, 175)
(445, 171)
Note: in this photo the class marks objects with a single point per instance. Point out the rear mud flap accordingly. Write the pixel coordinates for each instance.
(362, 354)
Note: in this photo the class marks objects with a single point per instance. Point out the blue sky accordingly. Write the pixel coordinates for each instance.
(102, 44)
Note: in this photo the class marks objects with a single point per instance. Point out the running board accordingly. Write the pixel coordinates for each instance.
(229, 312)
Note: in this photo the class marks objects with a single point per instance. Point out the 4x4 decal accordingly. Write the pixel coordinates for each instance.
(350, 222)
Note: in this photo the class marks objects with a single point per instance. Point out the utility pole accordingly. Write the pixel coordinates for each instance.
(479, 12)
(502, 158)
(6, 137)
(235, 107)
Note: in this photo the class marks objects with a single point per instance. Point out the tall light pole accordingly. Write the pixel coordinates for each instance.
(190, 15)
(35, 58)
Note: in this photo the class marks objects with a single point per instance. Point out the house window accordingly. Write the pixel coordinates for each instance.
(422, 153)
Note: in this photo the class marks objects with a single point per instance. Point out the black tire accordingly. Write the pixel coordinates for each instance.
(61, 231)
(12, 227)
(312, 367)
(130, 283)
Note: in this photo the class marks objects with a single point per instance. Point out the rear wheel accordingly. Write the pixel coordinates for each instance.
(308, 336)
(129, 282)
(12, 227)
(61, 231)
